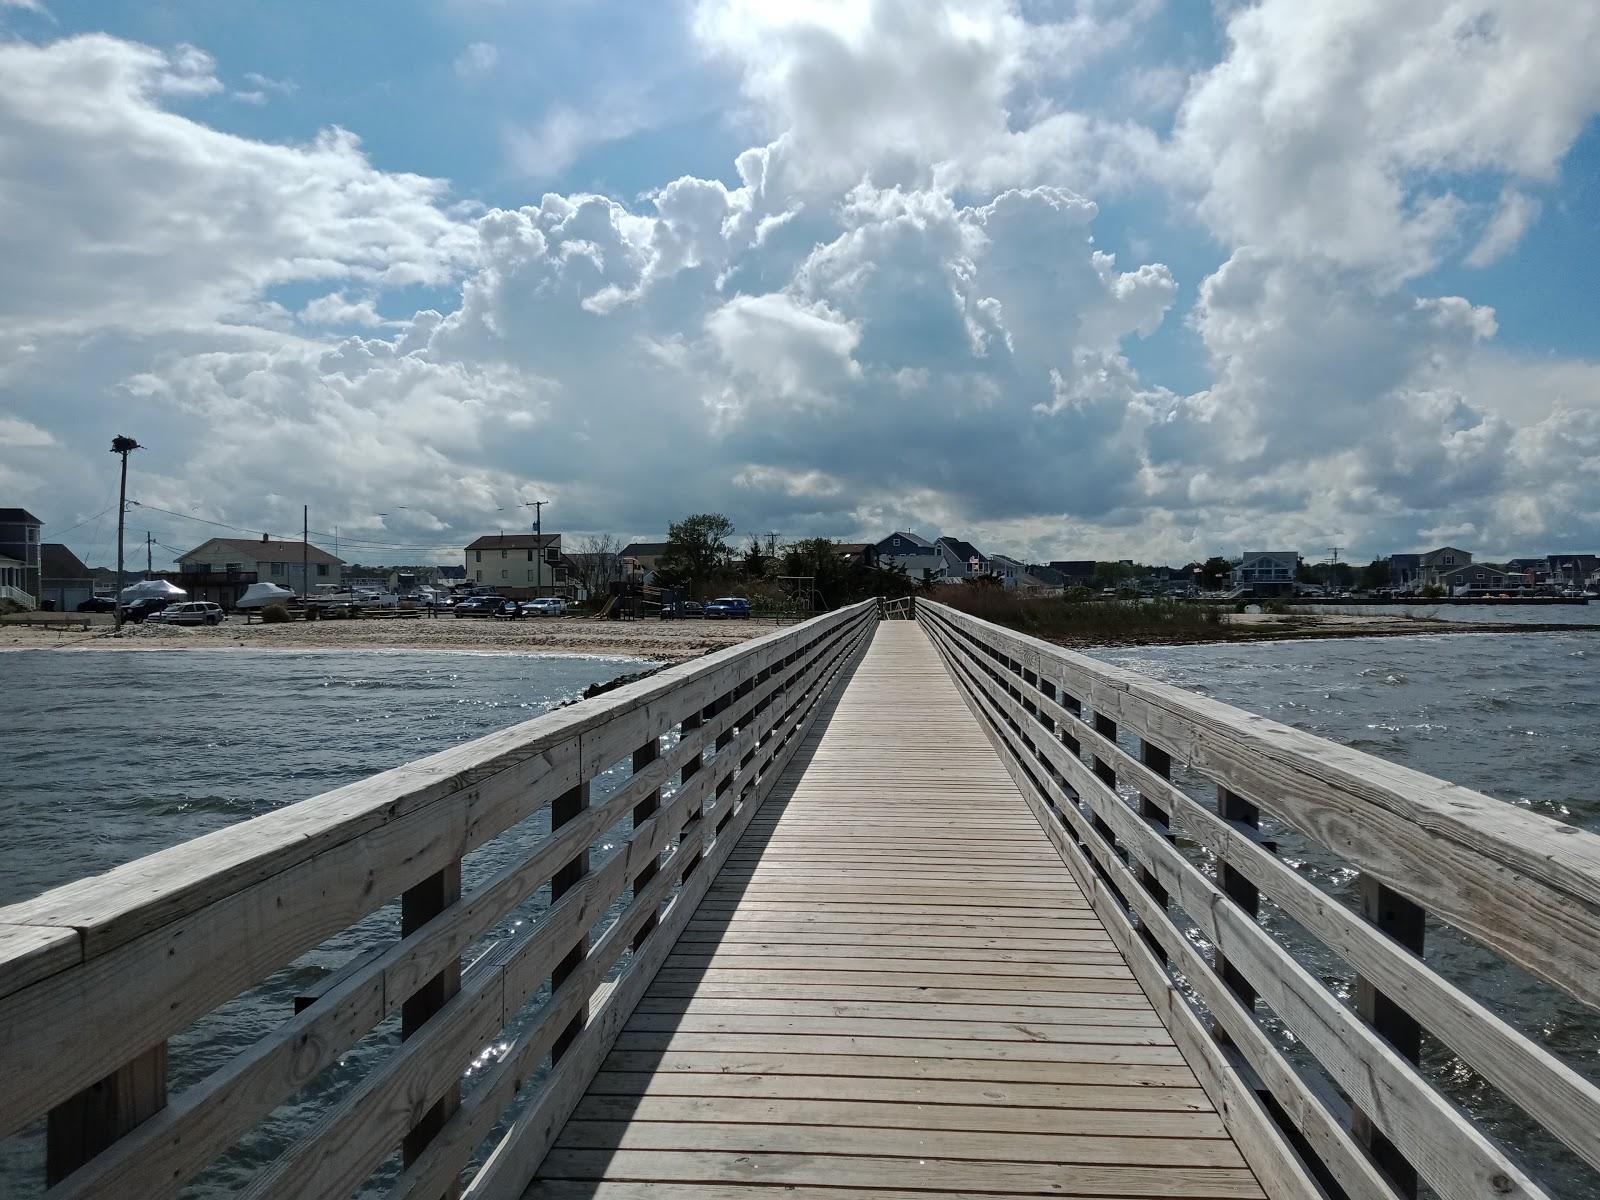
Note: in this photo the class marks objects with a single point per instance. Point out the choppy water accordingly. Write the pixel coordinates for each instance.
(109, 756)
(1516, 716)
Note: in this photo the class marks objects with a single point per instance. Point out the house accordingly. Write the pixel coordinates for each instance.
(642, 556)
(518, 565)
(19, 548)
(1010, 572)
(963, 559)
(1435, 563)
(901, 544)
(1077, 572)
(920, 558)
(1041, 577)
(450, 576)
(1403, 570)
(1473, 577)
(859, 554)
(65, 582)
(1572, 570)
(222, 565)
(1267, 572)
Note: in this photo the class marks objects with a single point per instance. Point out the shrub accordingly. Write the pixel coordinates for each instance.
(1276, 607)
(275, 614)
(1055, 618)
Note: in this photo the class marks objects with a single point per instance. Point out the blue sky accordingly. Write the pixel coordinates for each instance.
(1352, 294)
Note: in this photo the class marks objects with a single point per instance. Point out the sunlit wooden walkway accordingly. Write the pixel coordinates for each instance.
(894, 988)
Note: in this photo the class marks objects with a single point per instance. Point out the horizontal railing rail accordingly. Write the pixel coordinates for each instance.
(1346, 1111)
(97, 977)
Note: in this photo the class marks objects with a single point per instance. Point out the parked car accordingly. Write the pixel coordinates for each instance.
(727, 607)
(99, 604)
(144, 608)
(190, 612)
(476, 606)
(508, 610)
(544, 606)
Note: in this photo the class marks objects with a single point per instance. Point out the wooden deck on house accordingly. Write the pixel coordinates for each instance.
(894, 987)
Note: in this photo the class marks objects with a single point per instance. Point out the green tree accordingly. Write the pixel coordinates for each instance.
(697, 551)
(1215, 572)
(754, 562)
(1375, 574)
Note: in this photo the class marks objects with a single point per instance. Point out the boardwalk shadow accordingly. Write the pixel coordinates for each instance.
(670, 998)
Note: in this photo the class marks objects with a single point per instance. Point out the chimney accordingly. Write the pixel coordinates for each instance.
(266, 538)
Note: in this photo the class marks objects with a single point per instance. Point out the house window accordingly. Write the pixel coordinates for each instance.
(478, 577)
(530, 553)
(502, 554)
(230, 568)
(277, 568)
(552, 555)
(479, 558)
(530, 574)
(199, 568)
(505, 574)
(1449, 560)
(322, 570)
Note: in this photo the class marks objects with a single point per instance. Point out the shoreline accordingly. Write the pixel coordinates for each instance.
(663, 642)
(670, 642)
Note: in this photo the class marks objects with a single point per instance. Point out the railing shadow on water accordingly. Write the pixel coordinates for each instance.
(622, 1104)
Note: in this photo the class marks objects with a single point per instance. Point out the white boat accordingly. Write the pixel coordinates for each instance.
(259, 595)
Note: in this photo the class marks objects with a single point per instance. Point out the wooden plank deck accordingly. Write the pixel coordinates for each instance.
(894, 988)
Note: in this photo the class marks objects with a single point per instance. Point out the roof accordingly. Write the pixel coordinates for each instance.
(1272, 554)
(6, 561)
(57, 562)
(266, 549)
(915, 539)
(966, 550)
(1047, 575)
(18, 516)
(515, 541)
(643, 550)
(854, 547)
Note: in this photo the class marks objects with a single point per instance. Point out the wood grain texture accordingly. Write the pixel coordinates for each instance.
(1457, 1158)
(854, 1010)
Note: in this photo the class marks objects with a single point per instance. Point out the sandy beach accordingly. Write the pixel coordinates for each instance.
(663, 641)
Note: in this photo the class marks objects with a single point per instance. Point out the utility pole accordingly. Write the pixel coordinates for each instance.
(123, 446)
(305, 550)
(538, 550)
(149, 566)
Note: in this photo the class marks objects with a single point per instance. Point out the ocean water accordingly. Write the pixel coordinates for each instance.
(113, 755)
(1516, 716)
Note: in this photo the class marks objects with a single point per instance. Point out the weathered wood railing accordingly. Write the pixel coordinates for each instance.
(97, 976)
(1347, 1111)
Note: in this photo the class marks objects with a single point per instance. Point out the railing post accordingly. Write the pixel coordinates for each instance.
(1240, 812)
(1107, 774)
(1405, 921)
(1160, 762)
(642, 812)
(690, 770)
(568, 807)
(418, 906)
(81, 1127)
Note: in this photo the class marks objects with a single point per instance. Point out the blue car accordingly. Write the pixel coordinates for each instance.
(727, 606)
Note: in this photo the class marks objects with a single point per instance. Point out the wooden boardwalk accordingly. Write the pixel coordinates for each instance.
(894, 988)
